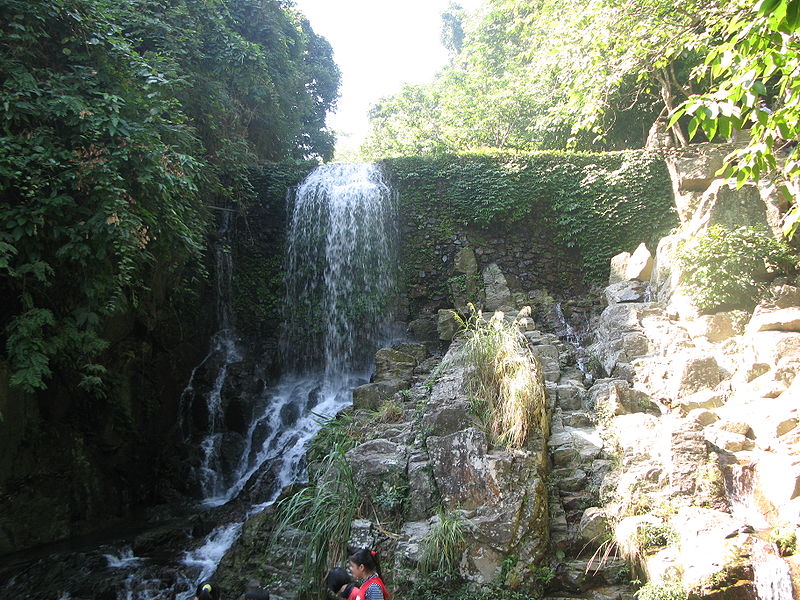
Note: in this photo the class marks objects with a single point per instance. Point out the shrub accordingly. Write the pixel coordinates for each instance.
(664, 591)
(506, 381)
(785, 539)
(727, 268)
(649, 536)
(324, 510)
(443, 545)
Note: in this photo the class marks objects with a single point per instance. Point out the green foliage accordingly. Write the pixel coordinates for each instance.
(529, 76)
(506, 379)
(728, 268)
(121, 121)
(323, 511)
(443, 545)
(337, 433)
(650, 536)
(753, 67)
(665, 591)
(600, 204)
(786, 540)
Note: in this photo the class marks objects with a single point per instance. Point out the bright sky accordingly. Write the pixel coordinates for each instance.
(379, 45)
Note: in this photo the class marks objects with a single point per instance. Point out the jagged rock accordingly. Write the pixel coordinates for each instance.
(465, 262)
(593, 529)
(448, 324)
(701, 399)
(362, 534)
(498, 296)
(424, 329)
(570, 394)
(785, 296)
(421, 490)
(392, 364)
(715, 328)
(619, 267)
(616, 397)
(377, 462)
(640, 264)
(444, 419)
(619, 334)
(785, 426)
(771, 346)
(702, 416)
(548, 357)
(723, 204)
(626, 291)
(783, 319)
(371, 395)
(688, 450)
(694, 373)
(410, 543)
(418, 351)
(727, 441)
(737, 427)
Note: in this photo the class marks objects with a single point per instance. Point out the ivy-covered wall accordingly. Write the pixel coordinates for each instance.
(550, 220)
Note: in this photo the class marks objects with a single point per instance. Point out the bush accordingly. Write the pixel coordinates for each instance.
(443, 545)
(727, 268)
(664, 591)
(506, 384)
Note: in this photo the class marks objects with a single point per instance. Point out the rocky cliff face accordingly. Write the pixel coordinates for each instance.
(667, 452)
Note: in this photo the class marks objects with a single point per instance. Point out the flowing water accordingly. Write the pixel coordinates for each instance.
(771, 574)
(339, 280)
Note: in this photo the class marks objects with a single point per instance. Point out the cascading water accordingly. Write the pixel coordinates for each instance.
(771, 574)
(567, 332)
(339, 278)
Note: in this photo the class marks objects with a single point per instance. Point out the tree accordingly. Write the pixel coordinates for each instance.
(756, 64)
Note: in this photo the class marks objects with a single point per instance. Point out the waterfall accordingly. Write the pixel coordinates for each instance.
(771, 574)
(339, 281)
(223, 352)
(339, 269)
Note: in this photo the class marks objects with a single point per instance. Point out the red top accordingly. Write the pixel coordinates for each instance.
(377, 581)
(355, 594)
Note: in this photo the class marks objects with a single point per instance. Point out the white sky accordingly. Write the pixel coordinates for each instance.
(379, 45)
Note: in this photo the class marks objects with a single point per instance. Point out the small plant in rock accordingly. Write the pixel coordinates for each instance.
(728, 268)
(785, 539)
(392, 496)
(324, 511)
(663, 591)
(388, 412)
(650, 536)
(443, 545)
(506, 377)
(340, 431)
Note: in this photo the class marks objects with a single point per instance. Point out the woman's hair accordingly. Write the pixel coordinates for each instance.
(256, 594)
(336, 578)
(368, 558)
(207, 591)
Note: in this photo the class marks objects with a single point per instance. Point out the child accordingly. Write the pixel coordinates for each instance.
(340, 583)
(207, 591)
(364, 565)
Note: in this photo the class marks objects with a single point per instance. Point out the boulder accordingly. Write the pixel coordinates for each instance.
(371, 395)
(375, 463)
(593, 528)
(465, 262)
(393, 364)
(424, 329)
(770, 347)
(614, 397)
(715, 328)
(448, 324)
(783, 319)
(498, 295)
(619, 267)
(694, 373)
(640, 264)
(626, 291)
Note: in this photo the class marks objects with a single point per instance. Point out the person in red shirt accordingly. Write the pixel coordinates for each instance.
(364, 565)
(341, 583)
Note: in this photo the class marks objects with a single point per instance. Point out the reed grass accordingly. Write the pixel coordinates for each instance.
(505, 381)
(443, 545)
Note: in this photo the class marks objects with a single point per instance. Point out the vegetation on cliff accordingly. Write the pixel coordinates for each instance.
(122, 123)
